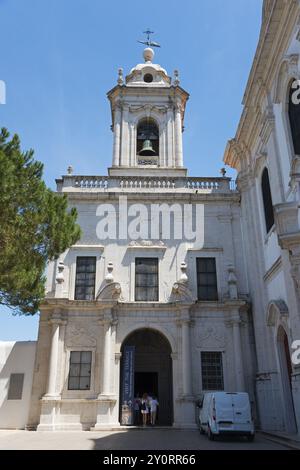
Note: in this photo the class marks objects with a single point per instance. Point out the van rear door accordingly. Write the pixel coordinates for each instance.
(224, 410)
(241, 408)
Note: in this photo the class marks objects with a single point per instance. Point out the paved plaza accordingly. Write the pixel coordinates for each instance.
(149, 439)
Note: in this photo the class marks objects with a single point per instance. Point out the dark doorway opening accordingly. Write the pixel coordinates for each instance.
(146, 382)
(152, 371)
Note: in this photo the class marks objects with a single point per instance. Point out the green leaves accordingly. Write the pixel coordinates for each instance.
(35, 226)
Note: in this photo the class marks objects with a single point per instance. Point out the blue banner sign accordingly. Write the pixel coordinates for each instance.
(128, 385)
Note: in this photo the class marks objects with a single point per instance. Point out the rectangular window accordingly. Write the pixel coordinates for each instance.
(80, 370)
(207, 279)
(212, 371)
(146, 279)
(15, 389)
(85, 278)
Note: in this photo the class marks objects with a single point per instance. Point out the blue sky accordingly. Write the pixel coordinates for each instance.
(60, 57)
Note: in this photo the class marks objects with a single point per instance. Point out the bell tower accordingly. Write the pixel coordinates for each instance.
(148, 110)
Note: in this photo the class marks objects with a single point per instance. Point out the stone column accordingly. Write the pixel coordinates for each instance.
(170, 157)
(52, 390)
(117, 135)
(107, 324)
(178, 136)
(124, 140)
(238, 358)
(186, 357)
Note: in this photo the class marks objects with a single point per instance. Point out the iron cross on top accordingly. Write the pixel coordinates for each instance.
(148, 42)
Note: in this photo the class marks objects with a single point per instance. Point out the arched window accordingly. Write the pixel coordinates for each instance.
(147, 142)
(267, 200)
(294, 116)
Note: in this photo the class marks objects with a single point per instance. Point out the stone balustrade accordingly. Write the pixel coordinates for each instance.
(135, 183)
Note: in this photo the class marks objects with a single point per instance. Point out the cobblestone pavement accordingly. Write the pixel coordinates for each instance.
(149, 439)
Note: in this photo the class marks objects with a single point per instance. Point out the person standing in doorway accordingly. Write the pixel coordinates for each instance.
(137, 409)
(144, 408)
(154, 405)
(149, 400)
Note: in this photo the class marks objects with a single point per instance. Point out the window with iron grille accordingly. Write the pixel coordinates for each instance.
(146, 279)
(85, 278)
(212, 371)
(15, 389)
(80, 370)
(207, 279)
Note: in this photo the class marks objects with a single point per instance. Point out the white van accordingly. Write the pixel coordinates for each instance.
(223, 413)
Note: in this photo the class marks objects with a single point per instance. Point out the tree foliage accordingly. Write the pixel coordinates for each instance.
(35, 226)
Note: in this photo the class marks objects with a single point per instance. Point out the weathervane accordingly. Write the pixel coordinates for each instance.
(149, 43)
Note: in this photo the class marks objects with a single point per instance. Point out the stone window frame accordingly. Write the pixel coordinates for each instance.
(223, 355)
(216, 253)
(198, 258)
(142, 252)
(86, 285)
(84, 251)
(91, 393)
(156, 275)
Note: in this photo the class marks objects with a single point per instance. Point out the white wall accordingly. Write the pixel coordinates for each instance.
(15, 357)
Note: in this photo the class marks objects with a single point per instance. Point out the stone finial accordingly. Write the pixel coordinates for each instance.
(183, 277)
(223, 172)
(60, 273)
(109, 276)
(176, 78)
(232, 283)
(120, 76)
(70, 170)
(148, 54)
(59, 280)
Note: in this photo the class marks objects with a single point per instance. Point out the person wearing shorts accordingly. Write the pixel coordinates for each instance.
(144, 408)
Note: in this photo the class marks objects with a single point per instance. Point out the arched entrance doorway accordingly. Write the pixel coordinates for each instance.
(152, 370)
(286, 370)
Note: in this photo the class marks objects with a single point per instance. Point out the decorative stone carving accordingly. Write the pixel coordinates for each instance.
(81, 336)
(211, 335)
(181, 293)
(111, 291)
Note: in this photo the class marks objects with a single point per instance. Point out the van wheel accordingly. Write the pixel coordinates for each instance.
(251, 437)
(210, 434)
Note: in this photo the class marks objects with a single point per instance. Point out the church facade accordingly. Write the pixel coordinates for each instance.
(196, 277)
(158, 268)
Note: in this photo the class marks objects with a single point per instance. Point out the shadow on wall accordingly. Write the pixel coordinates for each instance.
(16, 358)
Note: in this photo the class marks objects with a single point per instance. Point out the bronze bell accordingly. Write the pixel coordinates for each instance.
(147, 150)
